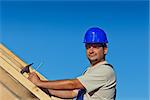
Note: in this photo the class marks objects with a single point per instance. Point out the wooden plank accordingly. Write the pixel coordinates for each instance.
(16, 60)
(11, 55)
(14, 86)
(6, 94)
(12, 65)
(19, 77)
(10, 61)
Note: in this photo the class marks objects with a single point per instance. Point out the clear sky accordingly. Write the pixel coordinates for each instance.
(52, 32)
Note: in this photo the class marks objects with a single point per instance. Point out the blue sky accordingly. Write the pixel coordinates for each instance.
(52, 32)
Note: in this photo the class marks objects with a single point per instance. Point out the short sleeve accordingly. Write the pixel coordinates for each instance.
(95, 78)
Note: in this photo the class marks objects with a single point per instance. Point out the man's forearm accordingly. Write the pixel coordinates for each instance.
(65, 94)
(61, 84)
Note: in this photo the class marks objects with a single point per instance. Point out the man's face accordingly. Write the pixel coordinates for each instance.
(95, 52)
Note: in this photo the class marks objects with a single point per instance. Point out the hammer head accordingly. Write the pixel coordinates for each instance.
(26, 69)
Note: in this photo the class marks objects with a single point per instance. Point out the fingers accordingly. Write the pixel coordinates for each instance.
(31, 75)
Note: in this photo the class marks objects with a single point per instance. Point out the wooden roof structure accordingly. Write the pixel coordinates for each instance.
(14, 85)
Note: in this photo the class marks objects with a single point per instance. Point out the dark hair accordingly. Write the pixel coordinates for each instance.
(104, 45)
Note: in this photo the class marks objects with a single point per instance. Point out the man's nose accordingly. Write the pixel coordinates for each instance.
(91, 49)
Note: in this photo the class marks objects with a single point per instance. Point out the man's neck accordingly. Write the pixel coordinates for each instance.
(96, 62)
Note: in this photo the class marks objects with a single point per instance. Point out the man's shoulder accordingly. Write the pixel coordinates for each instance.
(104, 66)
(104, 69)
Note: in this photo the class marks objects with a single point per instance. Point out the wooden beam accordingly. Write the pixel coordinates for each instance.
(25, 82)
(15, 88)
(14, 81)
(6, 94)
(16, 60)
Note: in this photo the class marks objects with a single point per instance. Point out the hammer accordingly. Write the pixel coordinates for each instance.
(26, 69)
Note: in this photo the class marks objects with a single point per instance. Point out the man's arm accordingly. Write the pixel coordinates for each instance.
(64, 94)
(70, 84)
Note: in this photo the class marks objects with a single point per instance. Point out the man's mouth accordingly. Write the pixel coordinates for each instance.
(92, 55)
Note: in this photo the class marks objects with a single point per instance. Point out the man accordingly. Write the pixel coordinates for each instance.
(97, 83)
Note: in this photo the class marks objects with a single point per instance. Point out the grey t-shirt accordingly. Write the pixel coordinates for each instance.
(99, 81)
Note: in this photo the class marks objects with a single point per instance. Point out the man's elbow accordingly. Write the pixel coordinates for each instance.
(77, 84)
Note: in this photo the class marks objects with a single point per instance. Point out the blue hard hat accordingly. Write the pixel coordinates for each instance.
(95, 35)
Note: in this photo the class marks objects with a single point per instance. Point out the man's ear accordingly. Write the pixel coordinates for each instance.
(105, 50)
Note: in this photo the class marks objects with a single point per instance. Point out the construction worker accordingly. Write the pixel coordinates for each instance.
(97, 83)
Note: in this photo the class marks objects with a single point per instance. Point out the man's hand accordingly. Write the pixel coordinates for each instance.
(34, 78)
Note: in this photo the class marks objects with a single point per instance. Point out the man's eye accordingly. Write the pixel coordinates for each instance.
(94, 46)
(87, 47)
